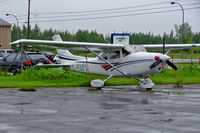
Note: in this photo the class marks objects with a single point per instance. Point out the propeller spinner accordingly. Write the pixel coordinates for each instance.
(161, 59)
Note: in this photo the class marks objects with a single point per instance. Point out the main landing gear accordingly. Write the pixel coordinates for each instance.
(98, 84)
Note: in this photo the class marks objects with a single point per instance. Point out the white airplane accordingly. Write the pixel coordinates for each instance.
(116, 60)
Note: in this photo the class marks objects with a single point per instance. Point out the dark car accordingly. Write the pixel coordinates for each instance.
(12, 63)
(39, 59)
(49, 55)
(5, 52)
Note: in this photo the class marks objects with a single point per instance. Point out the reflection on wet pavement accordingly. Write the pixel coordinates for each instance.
(74, 110)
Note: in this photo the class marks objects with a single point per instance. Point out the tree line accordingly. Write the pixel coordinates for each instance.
(174, 37)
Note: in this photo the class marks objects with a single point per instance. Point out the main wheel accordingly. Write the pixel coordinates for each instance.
(148, 89)
(97, 83)
(17, 71)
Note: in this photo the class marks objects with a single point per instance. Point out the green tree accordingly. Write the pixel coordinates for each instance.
(196, 38)
(35, 32)
(14, 33)
(187, 33)
(24, 32)
(171, 39)
(93, 36)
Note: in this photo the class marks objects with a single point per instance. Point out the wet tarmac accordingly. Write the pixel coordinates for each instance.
(76, 110)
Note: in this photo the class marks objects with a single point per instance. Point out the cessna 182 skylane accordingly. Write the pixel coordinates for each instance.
(116, 60)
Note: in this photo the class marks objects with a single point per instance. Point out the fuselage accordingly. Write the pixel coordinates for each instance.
(131, 61)
(135, 65)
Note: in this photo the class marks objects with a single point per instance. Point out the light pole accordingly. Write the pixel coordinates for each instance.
(182, 25)
(17, 23)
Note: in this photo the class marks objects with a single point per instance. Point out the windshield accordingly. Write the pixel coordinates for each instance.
(135, 48)
(15, 56)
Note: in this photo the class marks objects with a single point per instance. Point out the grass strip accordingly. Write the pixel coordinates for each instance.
(32, 78)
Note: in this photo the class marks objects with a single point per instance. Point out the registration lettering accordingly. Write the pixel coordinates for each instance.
(79, 68)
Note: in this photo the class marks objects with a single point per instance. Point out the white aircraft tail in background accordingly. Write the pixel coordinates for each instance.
(57, 37)
(63, 55)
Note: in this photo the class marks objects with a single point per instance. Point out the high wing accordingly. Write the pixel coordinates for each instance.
(69, 44)
(170, 45)
(97, 45)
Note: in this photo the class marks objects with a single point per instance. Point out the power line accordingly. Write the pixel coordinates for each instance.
(104, 10)
(114, 16)
(102, 13)
(99, 10)
(110, 12)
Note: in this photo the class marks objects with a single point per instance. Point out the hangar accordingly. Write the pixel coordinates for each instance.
(5, 34)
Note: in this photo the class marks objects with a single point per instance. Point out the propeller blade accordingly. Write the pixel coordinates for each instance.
(171, 65)
(155, 64)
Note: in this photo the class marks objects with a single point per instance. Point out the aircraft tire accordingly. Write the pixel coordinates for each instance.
(99, 88)
(17, 71)
(148, 89)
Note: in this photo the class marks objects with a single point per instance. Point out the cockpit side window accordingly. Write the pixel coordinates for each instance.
(125, 52)
(111, 55)
(115, 54)
(104, 55)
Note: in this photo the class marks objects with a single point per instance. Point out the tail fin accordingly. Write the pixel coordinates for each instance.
(57, 38)
(64, 54)
(61, 51)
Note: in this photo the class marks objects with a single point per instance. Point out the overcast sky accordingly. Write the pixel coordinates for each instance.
(104, 16)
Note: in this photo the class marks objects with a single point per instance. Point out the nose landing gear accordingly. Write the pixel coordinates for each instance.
(146, 84)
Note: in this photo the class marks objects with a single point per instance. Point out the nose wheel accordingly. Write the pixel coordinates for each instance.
(146, 84)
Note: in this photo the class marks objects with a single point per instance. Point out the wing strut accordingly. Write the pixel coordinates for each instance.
(106, 61)
(125, 74)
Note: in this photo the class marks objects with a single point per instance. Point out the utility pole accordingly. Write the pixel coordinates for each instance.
(22, 60)
(164, 43)
(28, 26)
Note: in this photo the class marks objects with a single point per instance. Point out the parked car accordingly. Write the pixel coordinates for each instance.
(12, 63)
(39, 59)
(5, 52)
(49, 55)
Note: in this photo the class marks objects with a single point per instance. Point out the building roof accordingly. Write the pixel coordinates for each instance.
(2, 22)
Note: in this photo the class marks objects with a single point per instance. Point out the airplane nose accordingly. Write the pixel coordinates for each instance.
(161, 58)
(164, 57)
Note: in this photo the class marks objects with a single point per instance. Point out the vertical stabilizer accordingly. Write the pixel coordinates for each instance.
(57, 38)
(63, 55)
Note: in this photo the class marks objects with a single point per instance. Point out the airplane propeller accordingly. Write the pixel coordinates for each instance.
(171, 65)
(155, 64)
(160, 61)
